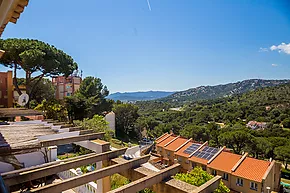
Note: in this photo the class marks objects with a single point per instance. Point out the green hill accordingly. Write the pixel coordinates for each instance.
(219, 91)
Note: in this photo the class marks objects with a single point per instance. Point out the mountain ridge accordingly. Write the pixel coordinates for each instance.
(220, 90)
(139, 95)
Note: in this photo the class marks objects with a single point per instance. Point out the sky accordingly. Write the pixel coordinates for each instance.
(172, 45)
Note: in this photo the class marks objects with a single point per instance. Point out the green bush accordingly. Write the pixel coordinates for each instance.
(98, 124)
(117, 181)
(116, 141)
(197, 177)
(53, 110)
(286, 123)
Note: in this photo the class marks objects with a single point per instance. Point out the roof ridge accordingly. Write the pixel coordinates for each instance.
(221, 149)
(171, 140)
(268, 170)
(205, 143)
(183, 145)
(239, 162)
(165, 137)
(161, 136)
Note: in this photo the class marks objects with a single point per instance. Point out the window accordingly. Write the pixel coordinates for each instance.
(68, 94)
(226, 176)
(187, 162)
(203, 167)
(253, 186)
(240, 182)
(179, 159)
(213, 172)
(168, 153)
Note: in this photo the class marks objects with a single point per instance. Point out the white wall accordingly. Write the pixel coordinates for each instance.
(32, 122)
(110, 117)
(28, 159)
(59, 135)
(5, 167)
(31, 159)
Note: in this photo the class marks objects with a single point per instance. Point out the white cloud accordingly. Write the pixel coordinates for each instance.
(275, 65)
(281, 48)
(263, 49)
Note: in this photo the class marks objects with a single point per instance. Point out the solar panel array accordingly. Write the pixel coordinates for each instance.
(191, 148)
(206, 153)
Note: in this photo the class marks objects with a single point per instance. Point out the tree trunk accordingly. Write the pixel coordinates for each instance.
(28, 90)
(15, 80)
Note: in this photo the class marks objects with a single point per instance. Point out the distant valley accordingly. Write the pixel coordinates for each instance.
(198, 93)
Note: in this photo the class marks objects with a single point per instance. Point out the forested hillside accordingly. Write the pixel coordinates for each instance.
(218, 91)
(223, 121)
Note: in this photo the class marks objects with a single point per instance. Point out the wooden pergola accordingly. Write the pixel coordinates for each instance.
(15, 112)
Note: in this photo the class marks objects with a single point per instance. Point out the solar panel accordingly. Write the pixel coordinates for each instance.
(210, 156)
(206, 153)
(191, 148)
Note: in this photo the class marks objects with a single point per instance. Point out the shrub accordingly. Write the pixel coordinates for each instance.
(98, 124)
(197, 177)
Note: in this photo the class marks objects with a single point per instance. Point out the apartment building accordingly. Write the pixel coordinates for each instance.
(240, 173)
(66, 86)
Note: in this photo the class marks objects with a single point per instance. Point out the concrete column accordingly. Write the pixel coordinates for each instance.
(99, 146)
(52, 155)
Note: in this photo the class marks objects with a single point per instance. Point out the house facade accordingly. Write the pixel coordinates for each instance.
(240, 173)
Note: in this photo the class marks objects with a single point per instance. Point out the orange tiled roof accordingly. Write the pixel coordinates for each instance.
(161, 138)
(198, 160)
(180, 151)
(175, 144)
(225, 157)
(252, 169)
(162, 143)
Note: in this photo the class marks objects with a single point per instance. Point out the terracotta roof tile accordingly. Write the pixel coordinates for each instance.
(161, 138)
(225, 157)
(162, 143)
(252, 169)
(175, 144)
(180, 151)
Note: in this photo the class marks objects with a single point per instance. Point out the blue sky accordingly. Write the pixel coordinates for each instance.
(177, 45)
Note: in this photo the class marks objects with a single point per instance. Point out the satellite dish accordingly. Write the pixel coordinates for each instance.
(23, 99)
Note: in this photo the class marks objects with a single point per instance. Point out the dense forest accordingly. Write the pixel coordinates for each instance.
(223, 121)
